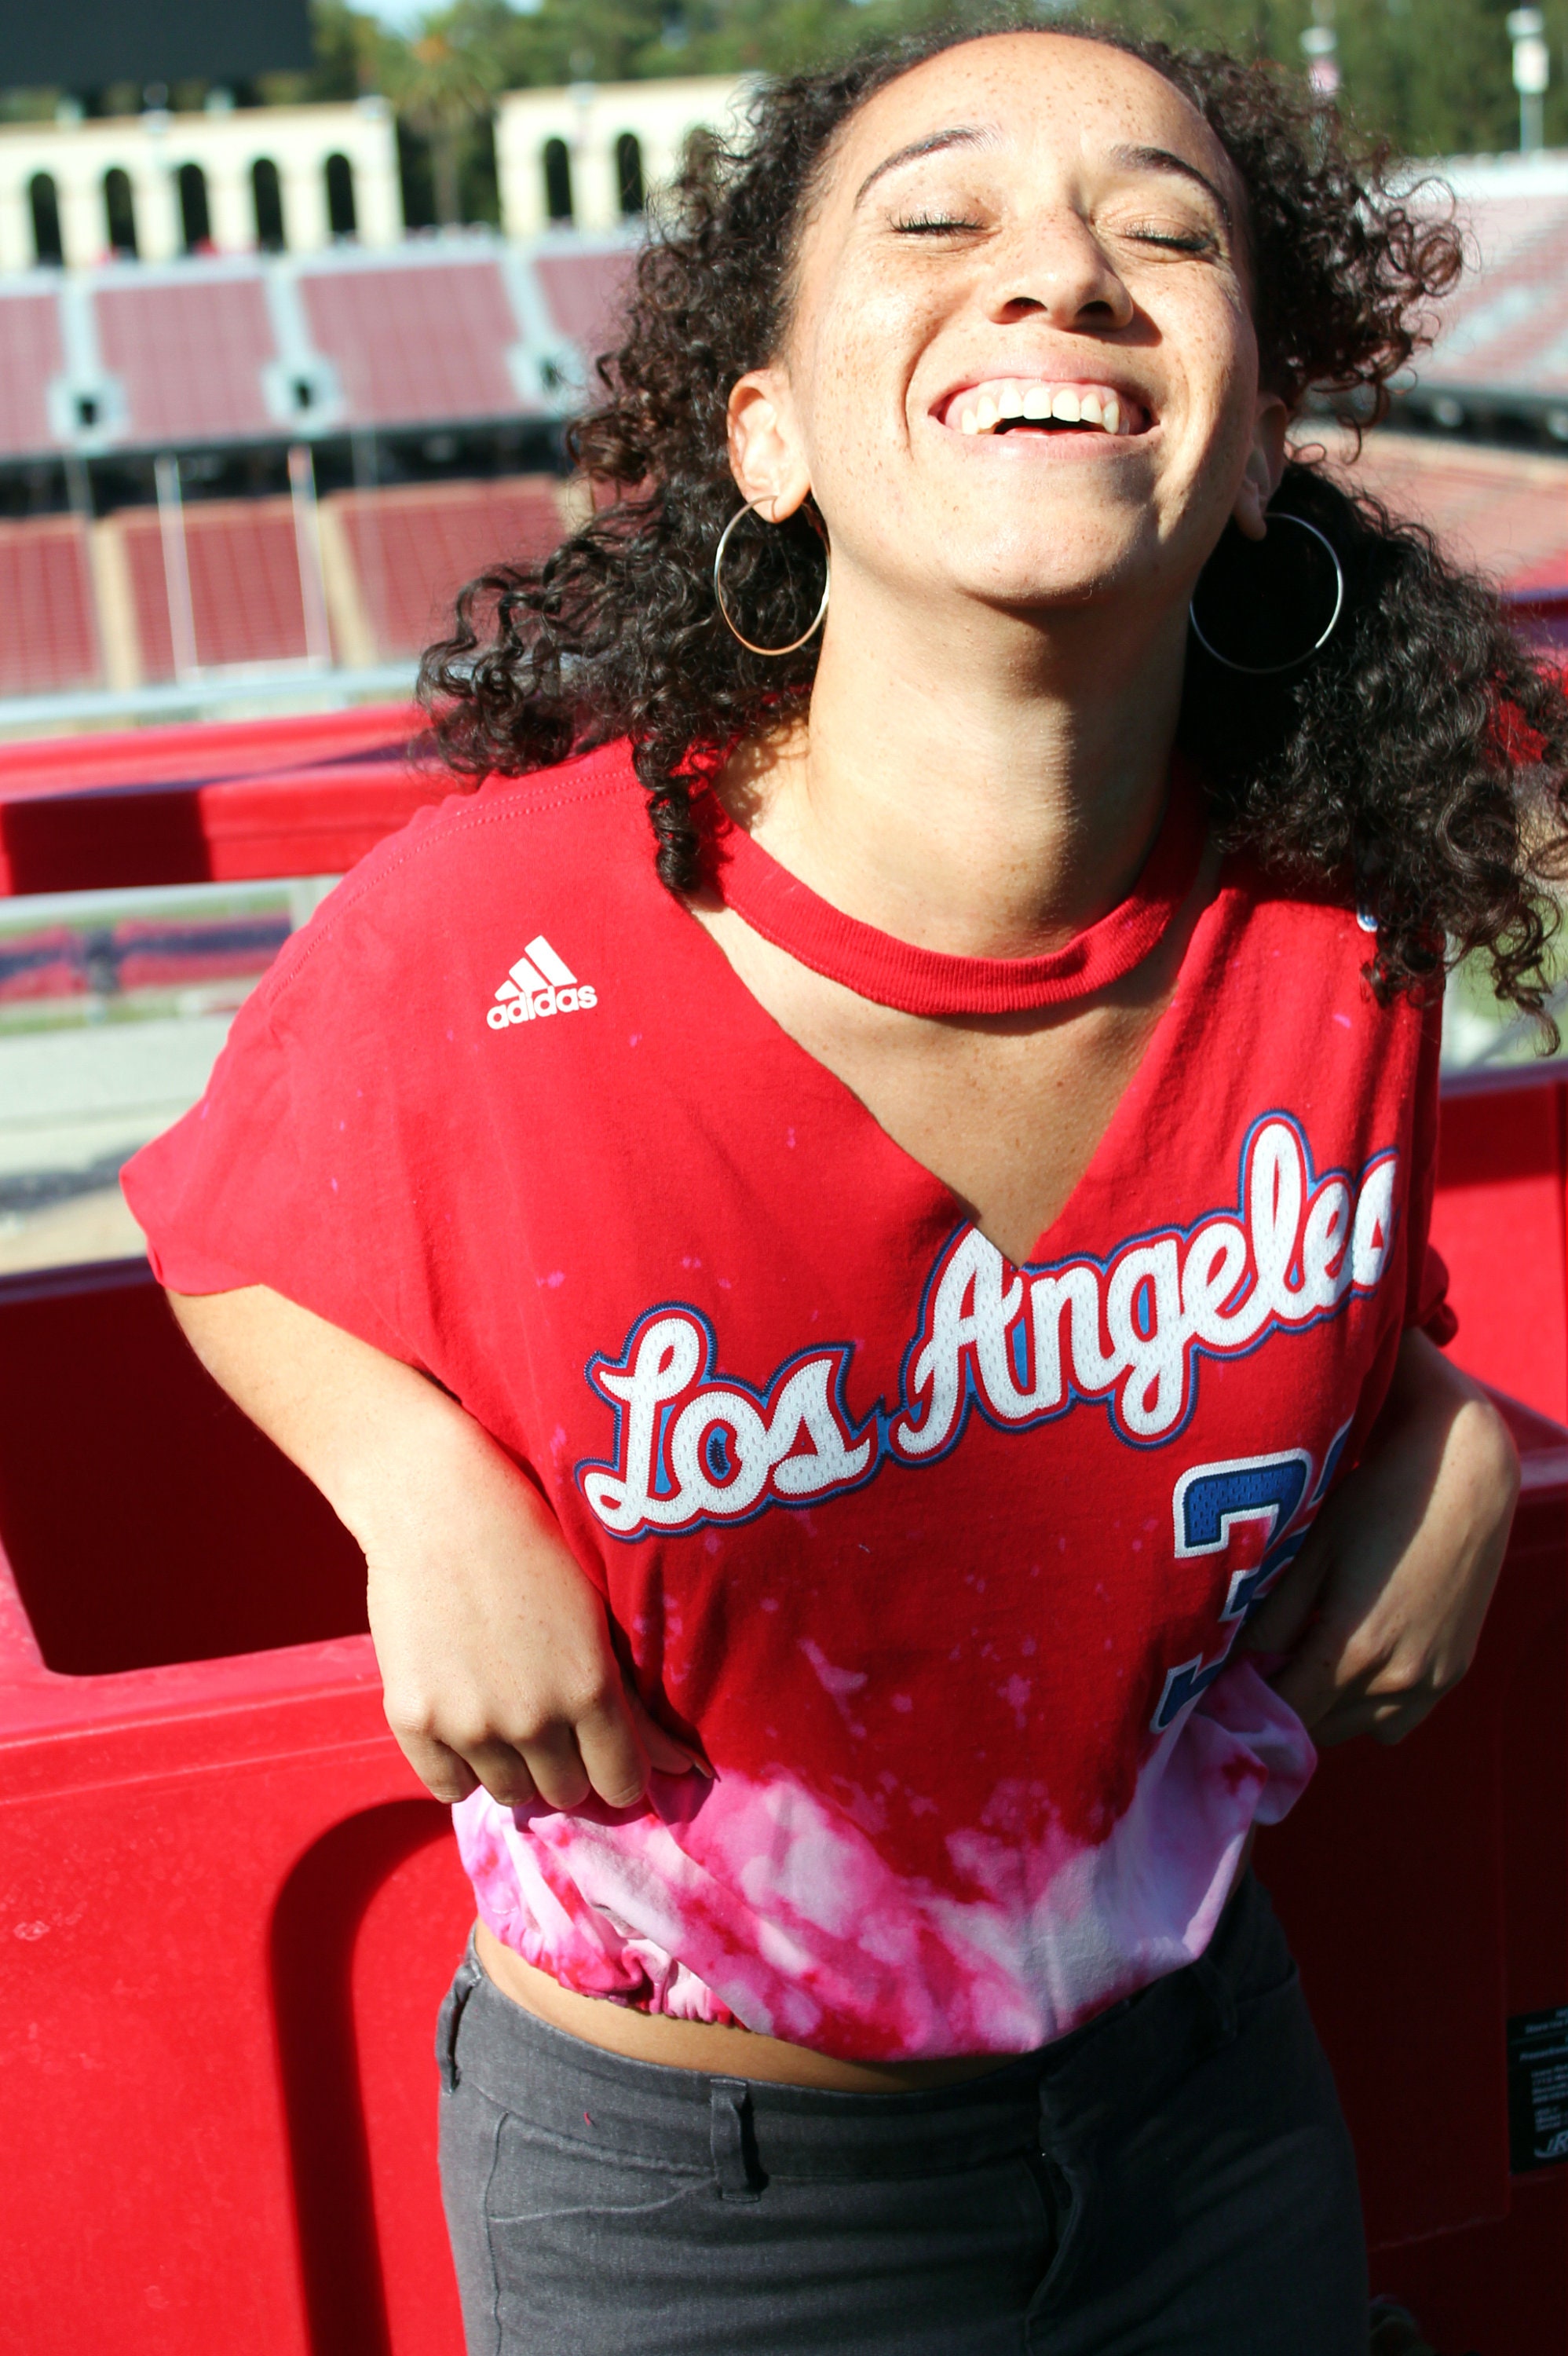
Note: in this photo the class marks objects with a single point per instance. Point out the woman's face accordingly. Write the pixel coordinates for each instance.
(1021, 365)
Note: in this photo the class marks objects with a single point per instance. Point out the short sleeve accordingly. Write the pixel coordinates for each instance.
(305, 1165)
(1426, 1307)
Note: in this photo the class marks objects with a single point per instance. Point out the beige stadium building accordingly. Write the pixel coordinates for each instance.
(293, 179)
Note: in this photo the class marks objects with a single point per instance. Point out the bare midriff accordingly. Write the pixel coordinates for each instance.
(703, 2045)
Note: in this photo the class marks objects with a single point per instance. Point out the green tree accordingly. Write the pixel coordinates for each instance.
(1430, 77)
(442, 85)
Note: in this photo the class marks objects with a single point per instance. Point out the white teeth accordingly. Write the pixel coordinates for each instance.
(1007, 397)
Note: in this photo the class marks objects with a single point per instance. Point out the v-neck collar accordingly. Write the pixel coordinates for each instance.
(915, 980)
(1142, 1084)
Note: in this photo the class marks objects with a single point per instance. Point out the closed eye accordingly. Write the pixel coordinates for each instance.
(931, 224)
(1184, 240)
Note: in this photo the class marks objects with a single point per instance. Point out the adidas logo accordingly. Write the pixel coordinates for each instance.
(539, 983)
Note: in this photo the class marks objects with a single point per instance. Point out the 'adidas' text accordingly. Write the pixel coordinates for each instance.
(539, 983)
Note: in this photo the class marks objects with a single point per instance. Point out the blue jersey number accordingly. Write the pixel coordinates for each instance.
(1211, 1502)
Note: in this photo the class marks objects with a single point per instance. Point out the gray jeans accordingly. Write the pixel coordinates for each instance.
(1173, 2179)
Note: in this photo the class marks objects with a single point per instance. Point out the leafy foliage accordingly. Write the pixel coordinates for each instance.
(1432, 76)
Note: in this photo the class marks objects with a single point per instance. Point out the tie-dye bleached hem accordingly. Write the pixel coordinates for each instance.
(753, 1901)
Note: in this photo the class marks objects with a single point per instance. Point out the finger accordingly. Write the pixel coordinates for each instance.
(1277, 1625)
(1385, 1719)
(556, 1765)
(670, 1757)
(443, 1772)
(503, 1771)
(1313, 1682)
(613, 1752)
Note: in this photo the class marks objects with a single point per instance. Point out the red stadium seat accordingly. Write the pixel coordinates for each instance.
(49, 640)
(583, 291)
(416, 344)
(189, 355)
(413, 548)
(30, 354)
(246, 601)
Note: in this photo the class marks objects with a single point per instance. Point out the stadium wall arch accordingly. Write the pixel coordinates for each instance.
(603, 127)
(319, 153)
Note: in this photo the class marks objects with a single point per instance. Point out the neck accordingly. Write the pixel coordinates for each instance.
(987, 788)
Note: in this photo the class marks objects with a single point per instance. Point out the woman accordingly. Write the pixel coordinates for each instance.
(827, 1347)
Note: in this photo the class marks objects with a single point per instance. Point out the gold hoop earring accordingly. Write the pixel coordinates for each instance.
(1246, 568)
(747, 508)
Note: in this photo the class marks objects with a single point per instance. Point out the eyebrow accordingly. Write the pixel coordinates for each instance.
(1160, 159)
(960, 136)
(1134, 158)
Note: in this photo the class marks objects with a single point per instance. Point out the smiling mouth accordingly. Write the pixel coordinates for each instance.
(1010, 404)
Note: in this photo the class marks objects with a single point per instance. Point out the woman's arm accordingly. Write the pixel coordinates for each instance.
(494, 1647)
(1382, 1611)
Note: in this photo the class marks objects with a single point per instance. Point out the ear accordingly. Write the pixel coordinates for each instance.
(1266, 466)
(766, 454)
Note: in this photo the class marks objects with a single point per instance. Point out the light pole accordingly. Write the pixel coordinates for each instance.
(1531, 73)
(1320, 44)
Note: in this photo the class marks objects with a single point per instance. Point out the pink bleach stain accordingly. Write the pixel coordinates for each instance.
(762, 1903)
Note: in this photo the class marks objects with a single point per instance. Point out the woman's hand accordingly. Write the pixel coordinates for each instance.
(495, 1651)
(494, 1647)
(1382, 1611)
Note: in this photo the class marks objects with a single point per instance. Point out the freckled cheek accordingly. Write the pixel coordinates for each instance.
(1214, 401)
(858, 408)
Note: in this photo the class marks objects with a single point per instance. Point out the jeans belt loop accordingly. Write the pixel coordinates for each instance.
(468, 1976)
(735, 2166)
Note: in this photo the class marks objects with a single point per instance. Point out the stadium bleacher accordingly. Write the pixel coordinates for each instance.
(582, 291)
(393, 559)
(415, 346)
(413, 547)
(1504, 511)
(32, 358)
(49, 640)
(233, 349)
(226, 363)
(242, 561)
(187, 358)
(447, 330)
(1505, 329)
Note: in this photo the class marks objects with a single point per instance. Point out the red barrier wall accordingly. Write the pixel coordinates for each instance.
(228, 1912)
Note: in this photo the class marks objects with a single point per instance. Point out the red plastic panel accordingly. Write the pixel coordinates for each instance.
(1499, 1223)
(176, 1489)
(251, 800)
(194, 752)
(397, 1988)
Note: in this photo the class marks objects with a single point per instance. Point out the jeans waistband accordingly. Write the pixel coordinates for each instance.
(561, 2087)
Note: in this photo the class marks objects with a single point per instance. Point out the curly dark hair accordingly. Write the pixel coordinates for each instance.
(1419, 762)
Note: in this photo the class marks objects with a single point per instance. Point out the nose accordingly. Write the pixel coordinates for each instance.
(1059, 270)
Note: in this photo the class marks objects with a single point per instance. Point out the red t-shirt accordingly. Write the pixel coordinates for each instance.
(940, 1559)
